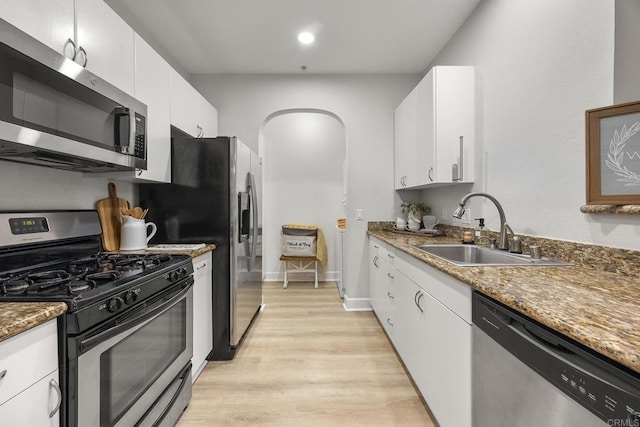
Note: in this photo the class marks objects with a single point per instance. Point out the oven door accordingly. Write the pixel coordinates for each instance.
(125, 367)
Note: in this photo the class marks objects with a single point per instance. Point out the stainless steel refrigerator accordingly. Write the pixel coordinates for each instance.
(214, 198)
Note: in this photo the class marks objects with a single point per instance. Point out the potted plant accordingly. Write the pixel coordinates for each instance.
(415, 210)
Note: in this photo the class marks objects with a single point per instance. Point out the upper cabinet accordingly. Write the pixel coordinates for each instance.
(190, 111)
(104, 43)
(406, 141)
(49, 21)
(435, 130)
(152, 83)
(87, 31)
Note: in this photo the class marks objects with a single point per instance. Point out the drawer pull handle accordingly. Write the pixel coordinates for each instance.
(56, 387)
(200, 267)
(3, 373)
(389, 322)
(390, 276)
(390, 296)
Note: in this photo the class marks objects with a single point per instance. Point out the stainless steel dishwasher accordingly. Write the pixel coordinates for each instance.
(525, 374)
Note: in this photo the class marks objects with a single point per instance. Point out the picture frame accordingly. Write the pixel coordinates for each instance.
(613, 155)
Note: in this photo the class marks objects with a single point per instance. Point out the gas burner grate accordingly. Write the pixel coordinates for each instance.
(14, 285)
(46, 280)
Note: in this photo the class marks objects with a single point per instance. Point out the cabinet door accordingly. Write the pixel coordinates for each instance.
(39, 405)
(202, 313)
(411, 332)
(426, 148)
(108, 42)
(454, 117)
(208, 121)
(405, 141)
(447, 365)
(152, 83)
(185, 105)
(49, 21)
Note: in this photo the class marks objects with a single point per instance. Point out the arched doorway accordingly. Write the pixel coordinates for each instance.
(304, 181)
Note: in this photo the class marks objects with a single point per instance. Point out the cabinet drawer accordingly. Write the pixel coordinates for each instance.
(27, 358)
(201, 266)
(452, 293)
(33, 407)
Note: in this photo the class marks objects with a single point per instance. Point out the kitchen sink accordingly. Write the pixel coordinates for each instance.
(474, 256)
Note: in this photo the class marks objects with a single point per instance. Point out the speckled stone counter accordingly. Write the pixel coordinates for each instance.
(597, 308)
(193, 253)
(16, 317)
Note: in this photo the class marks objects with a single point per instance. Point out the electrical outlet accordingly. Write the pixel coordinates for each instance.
(359, 214)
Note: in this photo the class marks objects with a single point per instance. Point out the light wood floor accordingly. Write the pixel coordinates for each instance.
(307, 362)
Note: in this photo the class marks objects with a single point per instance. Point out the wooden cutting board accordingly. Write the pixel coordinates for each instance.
(109, 211)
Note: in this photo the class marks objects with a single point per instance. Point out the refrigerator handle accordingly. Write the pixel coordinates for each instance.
(254, 211)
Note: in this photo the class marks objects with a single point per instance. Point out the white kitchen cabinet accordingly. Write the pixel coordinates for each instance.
(49, 21)
(382, 284)
(108, 42)
(406, 141)
(35, 405)
(431, 317)
(202, 313)
(102, 40)
(435, 346)
(190, 111)
(29, 387)
(443, 104)
(208, 119)
(152, 82)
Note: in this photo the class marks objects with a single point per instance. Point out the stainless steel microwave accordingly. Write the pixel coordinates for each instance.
(55, 113)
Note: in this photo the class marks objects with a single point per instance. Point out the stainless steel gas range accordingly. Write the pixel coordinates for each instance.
(125, 343)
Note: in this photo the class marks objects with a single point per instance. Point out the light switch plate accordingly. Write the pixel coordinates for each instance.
(359, 214)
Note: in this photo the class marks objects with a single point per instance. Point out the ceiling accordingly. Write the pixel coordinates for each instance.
(259, 36)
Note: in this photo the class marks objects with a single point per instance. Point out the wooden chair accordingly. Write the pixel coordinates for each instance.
(299, 264)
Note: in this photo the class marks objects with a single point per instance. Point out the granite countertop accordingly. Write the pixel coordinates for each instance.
(16, 317)
(597, 308)
(193, 253)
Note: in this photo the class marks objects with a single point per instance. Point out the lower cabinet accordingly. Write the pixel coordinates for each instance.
(38, 405)
(29, 385)
(382, 284)
(202, 314)
(432, 339)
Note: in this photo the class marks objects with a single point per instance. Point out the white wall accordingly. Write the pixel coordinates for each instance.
(539, 65)
(364, 103)
(303, 155)
(27, 187)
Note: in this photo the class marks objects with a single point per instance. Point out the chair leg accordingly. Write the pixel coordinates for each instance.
(286, 277)
(316, 270)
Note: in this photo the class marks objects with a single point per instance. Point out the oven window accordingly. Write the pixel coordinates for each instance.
(128, 368)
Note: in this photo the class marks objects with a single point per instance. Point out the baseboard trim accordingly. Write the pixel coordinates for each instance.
(356, 304)
(278, 276)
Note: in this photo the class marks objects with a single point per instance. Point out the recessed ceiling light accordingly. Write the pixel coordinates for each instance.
(306, 37)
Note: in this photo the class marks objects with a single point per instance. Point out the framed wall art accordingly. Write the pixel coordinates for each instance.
(613, 155)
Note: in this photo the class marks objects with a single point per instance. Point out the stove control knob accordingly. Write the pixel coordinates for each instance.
(173, 276)
(183, 272)
(115, 304)
(130, 297)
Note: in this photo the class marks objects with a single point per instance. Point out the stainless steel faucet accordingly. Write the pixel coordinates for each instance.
(503, 241)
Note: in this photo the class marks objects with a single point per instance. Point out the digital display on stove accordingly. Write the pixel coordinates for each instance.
(28, 225)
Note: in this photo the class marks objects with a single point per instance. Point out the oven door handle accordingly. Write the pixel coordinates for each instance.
(147, 310)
